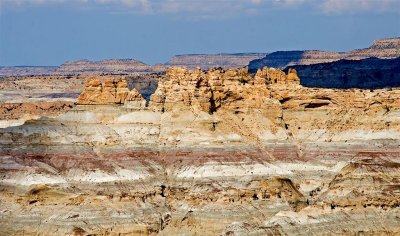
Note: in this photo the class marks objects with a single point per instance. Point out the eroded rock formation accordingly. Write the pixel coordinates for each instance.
(134, 99)
(217, 152)
(210, 90)
(109, 91)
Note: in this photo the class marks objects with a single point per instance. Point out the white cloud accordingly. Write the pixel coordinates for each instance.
(43, 2)
(143, 6)
(290, 3)
(208, 6)
(345, 6)
(220, 7)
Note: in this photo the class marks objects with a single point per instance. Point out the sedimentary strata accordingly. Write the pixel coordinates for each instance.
(217, 152)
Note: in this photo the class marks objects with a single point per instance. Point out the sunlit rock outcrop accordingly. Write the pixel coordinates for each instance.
(109, 91)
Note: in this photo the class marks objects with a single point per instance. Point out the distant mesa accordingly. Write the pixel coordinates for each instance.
(382, 48)
(26, 70)
(129, 66)
(132, 66)
(283, 59)
(206, 61)
(370, 73)
(112, 66)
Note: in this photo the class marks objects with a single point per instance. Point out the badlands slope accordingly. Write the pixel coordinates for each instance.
(217, 152)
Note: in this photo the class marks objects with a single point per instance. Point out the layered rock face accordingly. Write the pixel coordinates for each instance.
(206, 61)
(382, 48)
(217, 152)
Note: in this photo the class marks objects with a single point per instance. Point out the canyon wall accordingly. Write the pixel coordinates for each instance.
(216, 152)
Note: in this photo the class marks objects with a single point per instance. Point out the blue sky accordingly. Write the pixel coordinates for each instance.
(49, 32)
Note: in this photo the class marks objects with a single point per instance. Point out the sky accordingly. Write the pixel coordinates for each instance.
(50, 32)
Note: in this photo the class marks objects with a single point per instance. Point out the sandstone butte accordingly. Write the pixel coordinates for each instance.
(216, 152)
(110, 91)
